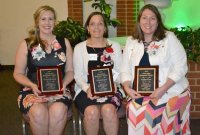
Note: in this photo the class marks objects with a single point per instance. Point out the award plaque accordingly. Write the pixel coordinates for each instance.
(101, 81)
(49, 80)
(146, 79)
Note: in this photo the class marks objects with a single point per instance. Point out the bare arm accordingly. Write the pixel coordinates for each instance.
(21, 66)
(129, 91)
(159, 92)
(69, 71)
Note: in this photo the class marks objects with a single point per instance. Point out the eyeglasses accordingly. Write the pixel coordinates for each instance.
(96, 25)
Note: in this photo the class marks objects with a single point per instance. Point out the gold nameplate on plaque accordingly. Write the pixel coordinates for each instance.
(101, 81)
(146, 79)
(49, 80)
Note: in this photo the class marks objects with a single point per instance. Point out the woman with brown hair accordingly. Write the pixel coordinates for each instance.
(97, 51)
(166, 109)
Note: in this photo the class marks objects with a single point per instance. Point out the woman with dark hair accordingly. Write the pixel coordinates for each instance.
(47, 115)
(166, 109)
(97, 51)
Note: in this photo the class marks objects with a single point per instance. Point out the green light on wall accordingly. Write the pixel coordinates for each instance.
(180, 25)
(182, 13)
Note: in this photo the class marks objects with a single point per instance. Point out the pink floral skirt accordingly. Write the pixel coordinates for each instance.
(27, 99)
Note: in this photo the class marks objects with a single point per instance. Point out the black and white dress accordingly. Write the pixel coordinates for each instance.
(37, 57)
(81, 100)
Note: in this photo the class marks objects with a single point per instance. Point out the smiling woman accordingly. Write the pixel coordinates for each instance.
(152, 45)
(97, 52)
(44, 49)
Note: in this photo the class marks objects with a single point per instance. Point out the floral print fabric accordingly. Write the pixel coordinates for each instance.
(38, 57)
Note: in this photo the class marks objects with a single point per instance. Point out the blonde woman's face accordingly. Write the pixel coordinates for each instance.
(148, 23)
(46, 22)
(96, 26)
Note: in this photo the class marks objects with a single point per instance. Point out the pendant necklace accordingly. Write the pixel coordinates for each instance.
(146, 44)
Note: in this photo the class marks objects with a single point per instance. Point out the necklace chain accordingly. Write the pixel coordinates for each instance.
(146, 44)
(94, 50)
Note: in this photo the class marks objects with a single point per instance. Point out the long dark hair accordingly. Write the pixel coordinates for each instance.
(160, 31)
(88, 21)
(34, 36)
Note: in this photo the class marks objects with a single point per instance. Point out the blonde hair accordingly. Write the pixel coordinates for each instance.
(34, 37)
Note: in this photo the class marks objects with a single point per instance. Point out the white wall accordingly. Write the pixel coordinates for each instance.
(16, 16)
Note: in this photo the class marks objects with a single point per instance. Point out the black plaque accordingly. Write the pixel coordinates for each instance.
(101, 81)
(49, 80)
(146, 79)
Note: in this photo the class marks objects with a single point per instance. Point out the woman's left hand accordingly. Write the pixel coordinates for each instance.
(158, 93)
(89, 94)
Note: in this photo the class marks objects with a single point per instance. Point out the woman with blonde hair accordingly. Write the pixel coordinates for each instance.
(47, 115)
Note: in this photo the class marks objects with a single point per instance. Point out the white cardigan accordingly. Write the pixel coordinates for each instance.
(170, 57)
(80, 62)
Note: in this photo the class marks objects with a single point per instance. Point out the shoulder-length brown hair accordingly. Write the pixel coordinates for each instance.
(88, 21)
(160, 31)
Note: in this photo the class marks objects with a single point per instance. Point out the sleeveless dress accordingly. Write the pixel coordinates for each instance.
(146, 117)
(82, 101)
(37, 58)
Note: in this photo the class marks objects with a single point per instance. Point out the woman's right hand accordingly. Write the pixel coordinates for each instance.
(132, 93)
(35, 89)
(129, 91)
(89, 94)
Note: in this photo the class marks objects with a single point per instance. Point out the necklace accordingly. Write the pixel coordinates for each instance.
(146, 44)
(94, 50)
(98, 51)
(48, 48)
